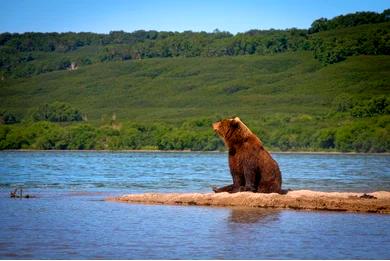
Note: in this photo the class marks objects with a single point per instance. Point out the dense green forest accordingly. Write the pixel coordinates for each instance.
(321, 89)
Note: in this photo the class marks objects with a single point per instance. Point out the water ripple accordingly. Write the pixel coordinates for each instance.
(142, 172)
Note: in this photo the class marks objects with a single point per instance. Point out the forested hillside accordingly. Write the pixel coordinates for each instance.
(325, 88)
(29, 54)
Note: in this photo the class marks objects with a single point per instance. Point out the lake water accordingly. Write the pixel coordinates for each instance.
(70, 220)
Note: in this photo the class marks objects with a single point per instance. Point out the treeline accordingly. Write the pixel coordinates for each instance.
(335, 46)
(58, 125)
(355, 136)
(64, 42)
(352, 125)
(47, 135)
(70, 41)
(349, 20)
(21, 54)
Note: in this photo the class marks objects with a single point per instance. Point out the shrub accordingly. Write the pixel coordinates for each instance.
(57, 112)
(81, 137)
(326, 139)
(343, 102)
(375, 106)
(7, 118)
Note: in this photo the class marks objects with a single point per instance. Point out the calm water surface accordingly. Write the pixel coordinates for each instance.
(69, 220)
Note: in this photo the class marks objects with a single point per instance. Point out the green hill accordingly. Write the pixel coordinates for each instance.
(329, 93)
(173, 90)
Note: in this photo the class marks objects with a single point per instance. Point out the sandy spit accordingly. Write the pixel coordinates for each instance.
(376, 202)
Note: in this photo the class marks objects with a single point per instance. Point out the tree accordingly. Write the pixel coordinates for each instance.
(319, 25)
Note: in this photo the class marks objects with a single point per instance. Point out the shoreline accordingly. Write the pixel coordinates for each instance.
(201, 151)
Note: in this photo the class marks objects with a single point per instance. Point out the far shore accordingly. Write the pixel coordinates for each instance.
(200, 151)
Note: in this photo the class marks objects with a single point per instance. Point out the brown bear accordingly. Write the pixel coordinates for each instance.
(251, 166)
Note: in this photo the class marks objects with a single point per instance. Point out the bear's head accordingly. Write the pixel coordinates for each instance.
(232, 131)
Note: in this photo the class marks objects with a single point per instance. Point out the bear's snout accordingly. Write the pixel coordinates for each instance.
(216, 126)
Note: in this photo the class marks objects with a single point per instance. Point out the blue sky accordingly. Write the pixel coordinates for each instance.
(235, 16)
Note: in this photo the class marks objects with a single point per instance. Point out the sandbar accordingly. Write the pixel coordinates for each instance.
(375, 202)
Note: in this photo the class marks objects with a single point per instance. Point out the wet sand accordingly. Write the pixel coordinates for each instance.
(375, 202)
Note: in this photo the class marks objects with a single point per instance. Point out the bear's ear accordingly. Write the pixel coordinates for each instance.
(235, 124)
(237, 119)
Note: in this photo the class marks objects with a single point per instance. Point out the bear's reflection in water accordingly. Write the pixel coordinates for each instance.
(253, 215)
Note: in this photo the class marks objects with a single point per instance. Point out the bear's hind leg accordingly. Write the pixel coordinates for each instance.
(270, 187)
(250, 179)
(238, 183)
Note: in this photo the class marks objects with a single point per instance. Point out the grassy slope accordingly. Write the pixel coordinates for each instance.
(172, 90)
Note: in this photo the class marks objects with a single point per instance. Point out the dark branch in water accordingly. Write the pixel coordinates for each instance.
(14, 194)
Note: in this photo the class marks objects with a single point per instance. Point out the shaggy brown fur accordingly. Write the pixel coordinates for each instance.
(251, 166)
